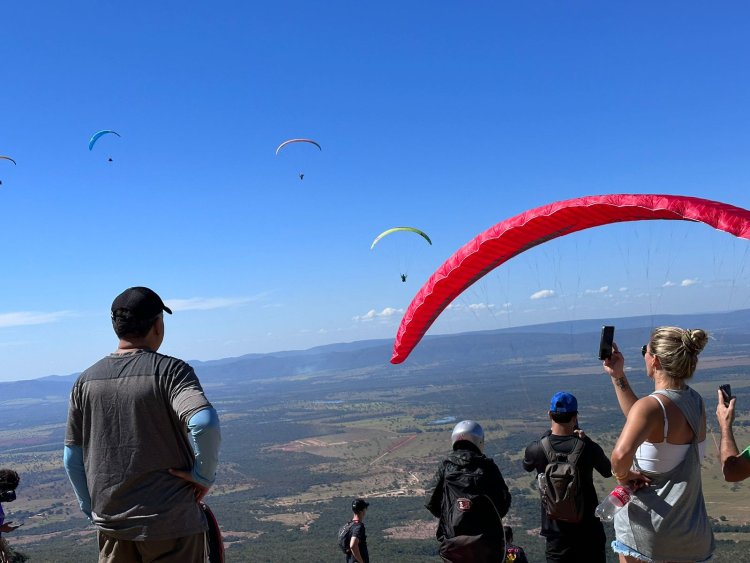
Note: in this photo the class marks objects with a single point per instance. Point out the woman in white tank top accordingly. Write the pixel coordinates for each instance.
(660, 457)
(658, 454)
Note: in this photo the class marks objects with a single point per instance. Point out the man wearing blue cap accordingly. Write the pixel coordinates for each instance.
(570, 541)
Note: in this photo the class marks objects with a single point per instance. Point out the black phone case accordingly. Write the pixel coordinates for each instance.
(726, 390)
(605, 342)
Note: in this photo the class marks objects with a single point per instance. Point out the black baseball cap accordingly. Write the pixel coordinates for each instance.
(138, 303)
(359, 504)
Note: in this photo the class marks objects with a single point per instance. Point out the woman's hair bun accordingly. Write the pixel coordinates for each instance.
(694, 339)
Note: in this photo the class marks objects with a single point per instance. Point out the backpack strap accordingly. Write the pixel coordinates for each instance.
(576, 453)
(549, 451)
(497, 513)
(348, 535)
(552, 454)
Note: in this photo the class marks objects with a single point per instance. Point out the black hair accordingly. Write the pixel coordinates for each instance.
(8, 479)
(508, 531)
(562, 417)
(125, 324)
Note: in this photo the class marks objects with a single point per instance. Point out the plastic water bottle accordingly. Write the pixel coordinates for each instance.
(613, 502)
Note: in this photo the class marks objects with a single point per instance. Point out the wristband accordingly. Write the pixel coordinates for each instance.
(621, 476)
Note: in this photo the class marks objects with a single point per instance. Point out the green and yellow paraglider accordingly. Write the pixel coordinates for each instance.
(396, 230)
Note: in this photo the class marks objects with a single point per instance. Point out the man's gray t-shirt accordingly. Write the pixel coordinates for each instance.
(129, 413)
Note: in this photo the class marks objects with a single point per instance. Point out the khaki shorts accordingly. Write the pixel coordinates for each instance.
(188, 549)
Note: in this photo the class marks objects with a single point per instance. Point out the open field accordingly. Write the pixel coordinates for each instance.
(296, 452)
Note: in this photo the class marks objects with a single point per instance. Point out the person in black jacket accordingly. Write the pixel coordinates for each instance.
(571, 542)
(469, 495)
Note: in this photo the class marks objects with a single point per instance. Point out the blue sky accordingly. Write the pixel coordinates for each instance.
(447, 117)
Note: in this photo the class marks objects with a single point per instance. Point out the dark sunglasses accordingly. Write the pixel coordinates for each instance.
(7, 496)
(644, 349)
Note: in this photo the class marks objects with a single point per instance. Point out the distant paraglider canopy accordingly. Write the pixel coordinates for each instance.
(513, 236)
(290, 141)
(397, 229)
(404, 262)
(96, 136)
(6, 158)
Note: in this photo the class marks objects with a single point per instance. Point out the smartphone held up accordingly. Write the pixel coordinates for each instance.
(605, 342)
(726, 392)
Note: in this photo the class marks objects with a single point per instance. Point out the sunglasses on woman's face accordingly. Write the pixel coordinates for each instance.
(644, 349)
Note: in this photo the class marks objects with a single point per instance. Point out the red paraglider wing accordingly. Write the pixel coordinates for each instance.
(531, 228)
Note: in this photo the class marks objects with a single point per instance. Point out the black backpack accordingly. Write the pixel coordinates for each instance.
(345, 537)
(559, 483)
(468, 511)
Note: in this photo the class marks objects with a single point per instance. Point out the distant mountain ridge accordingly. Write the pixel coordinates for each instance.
(449, 351)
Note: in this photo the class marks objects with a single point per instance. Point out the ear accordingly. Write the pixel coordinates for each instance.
(158, 326)
(657, 363)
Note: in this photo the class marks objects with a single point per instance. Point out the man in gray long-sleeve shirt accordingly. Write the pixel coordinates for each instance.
(142, 442)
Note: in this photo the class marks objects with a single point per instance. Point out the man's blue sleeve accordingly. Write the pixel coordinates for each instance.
(73, 462)
(206, 437)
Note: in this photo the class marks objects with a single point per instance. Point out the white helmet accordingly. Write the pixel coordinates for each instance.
(469, 431)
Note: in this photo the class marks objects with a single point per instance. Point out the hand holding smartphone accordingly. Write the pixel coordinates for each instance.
(605, 342)
(726, 391)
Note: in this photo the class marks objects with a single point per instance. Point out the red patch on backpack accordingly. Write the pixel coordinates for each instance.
(463, 504)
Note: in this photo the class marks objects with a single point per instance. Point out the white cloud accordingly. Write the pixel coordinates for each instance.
(473, 307)
(481, 306)
(543, 294)
(668, 284)
(208, 303)
(688, 282)
(389, 312)
(373, 314)
(623, 289)
(368, 316)
(25, 318)
(603, 289)
(13, 344)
